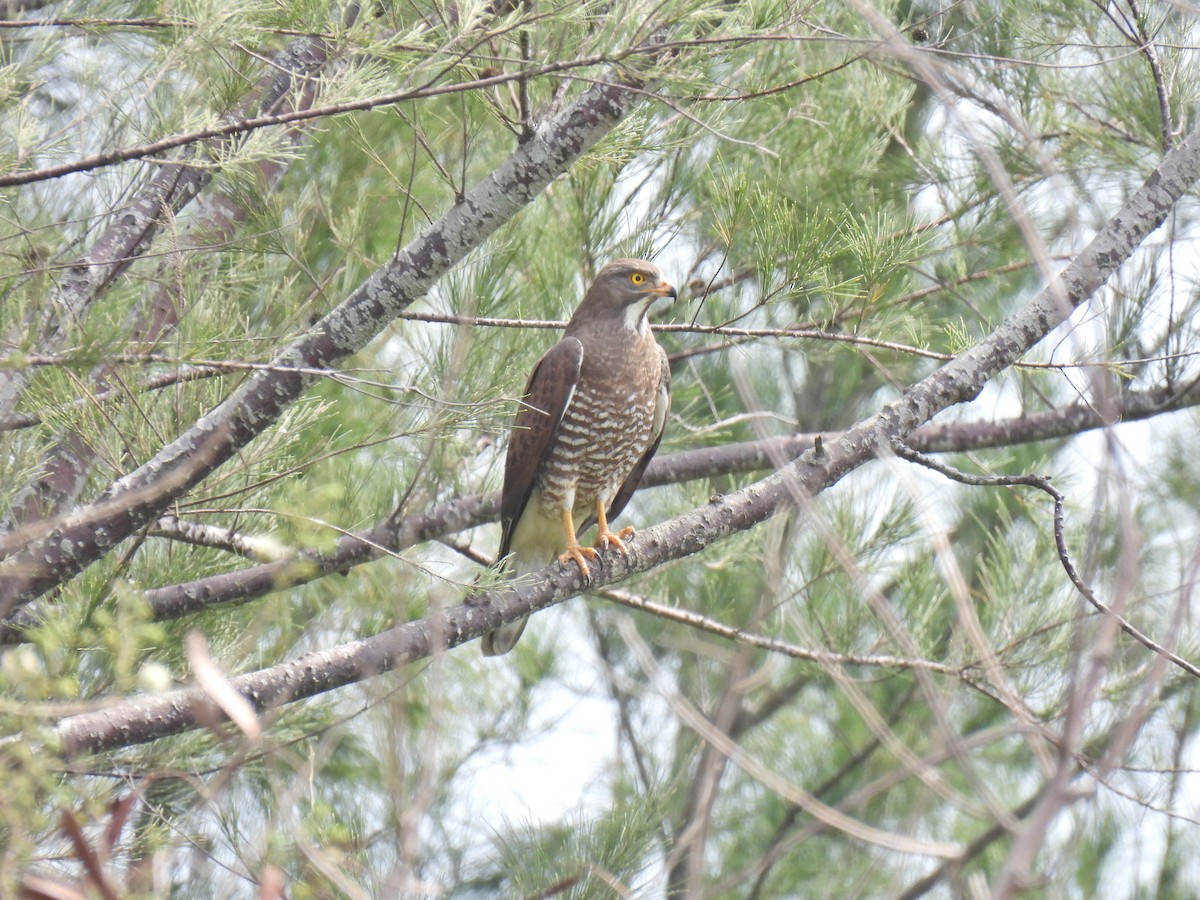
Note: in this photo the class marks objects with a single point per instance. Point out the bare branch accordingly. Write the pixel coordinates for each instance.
(772, 645)
(1042, 483)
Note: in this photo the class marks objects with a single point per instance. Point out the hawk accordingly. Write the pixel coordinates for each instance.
(592, 417)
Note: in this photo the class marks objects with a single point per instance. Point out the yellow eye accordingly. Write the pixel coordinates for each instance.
(637, 277)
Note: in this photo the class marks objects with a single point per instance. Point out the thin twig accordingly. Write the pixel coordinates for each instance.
(1042, 483)
(825, 657)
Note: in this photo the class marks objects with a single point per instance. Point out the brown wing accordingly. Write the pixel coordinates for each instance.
(547, 395)
(661, 408)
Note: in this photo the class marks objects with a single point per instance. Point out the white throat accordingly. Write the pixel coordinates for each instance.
(634, 318)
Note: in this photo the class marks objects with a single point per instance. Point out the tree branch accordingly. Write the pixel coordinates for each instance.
(146, 719)
(138, 498)
(397, 533)
(253, 547)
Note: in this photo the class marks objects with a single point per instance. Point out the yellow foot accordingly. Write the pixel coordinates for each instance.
(578, 554)
(606, 539)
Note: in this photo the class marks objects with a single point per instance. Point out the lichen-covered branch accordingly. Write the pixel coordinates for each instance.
(137, 499)
(397, 534)
(958, 381)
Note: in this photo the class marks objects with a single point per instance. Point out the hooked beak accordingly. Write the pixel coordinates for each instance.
(664, 289)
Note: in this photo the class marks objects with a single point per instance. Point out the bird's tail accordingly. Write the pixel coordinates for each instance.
(504, 638)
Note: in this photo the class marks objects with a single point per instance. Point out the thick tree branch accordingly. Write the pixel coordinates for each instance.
(958, 381)
(138, 498)
(398, 533)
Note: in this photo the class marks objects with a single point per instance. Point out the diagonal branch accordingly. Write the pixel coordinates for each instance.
(960, 380)
(87, 535)
(397, 533)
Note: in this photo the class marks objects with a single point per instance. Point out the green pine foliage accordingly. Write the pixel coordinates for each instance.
(846, 195)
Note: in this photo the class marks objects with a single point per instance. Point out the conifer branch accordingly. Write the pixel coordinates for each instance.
(400, 532)
(137, 499)
(246, 125)
(290, 82)
(960, 380)
(131, 230)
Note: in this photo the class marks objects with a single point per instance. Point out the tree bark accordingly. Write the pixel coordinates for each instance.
(48, 555)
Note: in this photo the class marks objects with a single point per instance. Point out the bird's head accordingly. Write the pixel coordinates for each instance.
(624, 290)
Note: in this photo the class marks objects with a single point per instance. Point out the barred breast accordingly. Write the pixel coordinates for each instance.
(606, 429)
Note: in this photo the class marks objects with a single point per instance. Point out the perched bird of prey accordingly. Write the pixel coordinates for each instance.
(592, 417)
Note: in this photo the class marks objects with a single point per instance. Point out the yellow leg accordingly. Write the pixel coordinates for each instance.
(574, 551)
(606, 538)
